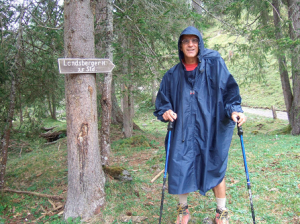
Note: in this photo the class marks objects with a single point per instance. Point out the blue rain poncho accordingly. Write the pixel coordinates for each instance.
(203, 129)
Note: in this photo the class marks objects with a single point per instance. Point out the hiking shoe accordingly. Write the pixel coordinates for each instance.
(183, 214)
(222, 216)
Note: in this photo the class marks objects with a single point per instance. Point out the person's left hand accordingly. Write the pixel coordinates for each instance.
(242, 118)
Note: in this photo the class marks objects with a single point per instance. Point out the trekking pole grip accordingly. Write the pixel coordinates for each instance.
(170, 126)
(240, 130)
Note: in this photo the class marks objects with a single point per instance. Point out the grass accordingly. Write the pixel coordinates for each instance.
(272, 162)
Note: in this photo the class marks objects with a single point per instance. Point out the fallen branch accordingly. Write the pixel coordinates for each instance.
(157, 176)
(34, 193)
(48, 129)
(50, 143)
(50, 213)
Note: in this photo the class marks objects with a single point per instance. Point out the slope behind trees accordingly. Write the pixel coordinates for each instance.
(269, 29)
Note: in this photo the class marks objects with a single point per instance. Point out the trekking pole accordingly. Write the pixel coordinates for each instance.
(170, 127)
(240, 133)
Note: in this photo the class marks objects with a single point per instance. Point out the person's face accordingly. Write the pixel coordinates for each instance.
(189, 46)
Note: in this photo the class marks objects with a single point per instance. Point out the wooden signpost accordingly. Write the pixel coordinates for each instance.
(81, 65)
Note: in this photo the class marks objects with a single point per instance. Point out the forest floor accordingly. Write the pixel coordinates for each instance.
(272, 157)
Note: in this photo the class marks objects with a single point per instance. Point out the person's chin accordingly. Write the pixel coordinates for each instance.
(191, 55)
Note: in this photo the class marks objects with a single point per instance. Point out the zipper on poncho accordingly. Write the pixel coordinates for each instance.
(192, 92)
(182, 129)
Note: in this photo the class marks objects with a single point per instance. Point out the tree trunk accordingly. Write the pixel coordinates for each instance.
(53, 106)
(285, 82)
(153, 68)
(116, 113)
(6, 135)
(5, 141)
(106, 103)
(154, 91)
(294, 17)
(131, 106)
(127, 127)
(86, 195)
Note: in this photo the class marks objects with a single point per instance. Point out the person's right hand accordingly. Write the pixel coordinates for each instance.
(169, 115)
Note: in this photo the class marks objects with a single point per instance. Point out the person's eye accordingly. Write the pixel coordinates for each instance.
(195, 41)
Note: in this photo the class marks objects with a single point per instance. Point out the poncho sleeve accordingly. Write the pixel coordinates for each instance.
(163, 98)
(231, 97)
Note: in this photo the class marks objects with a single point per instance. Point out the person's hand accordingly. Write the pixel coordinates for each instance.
(169, 115)
(242, 118)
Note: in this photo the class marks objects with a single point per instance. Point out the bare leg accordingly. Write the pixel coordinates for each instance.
(183, 198)
(183, 214)
(221, 211)
(220, 190)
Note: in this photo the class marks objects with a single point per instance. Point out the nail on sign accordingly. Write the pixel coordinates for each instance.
(81, 65)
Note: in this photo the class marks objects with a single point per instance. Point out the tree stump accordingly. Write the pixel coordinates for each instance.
(118, 173)
(274, 112)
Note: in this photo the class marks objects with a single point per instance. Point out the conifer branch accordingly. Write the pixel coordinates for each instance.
(275, 10)
(153, 52)
(222, 21)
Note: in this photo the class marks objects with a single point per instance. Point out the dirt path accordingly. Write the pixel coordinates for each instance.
(265, 112)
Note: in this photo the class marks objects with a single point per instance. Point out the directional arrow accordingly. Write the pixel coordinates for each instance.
(81, 65)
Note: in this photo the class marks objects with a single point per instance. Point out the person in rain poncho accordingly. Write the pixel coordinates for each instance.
(202, 98)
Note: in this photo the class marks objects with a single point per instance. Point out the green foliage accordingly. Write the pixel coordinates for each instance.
(147, 33)
(139, 141)
(29, 52)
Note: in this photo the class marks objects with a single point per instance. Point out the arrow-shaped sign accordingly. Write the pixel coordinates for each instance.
(81, 65)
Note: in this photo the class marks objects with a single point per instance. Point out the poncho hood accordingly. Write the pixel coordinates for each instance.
(191, 31)
(203, 52)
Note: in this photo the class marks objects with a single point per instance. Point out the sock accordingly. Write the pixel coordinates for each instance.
(221, 203)
(183, 199)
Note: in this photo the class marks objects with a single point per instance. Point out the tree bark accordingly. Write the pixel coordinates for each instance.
(127, 123)
(7, 130)
(5, 141)
(106, 103)
(294, 30)
(86, 195)
(131, 106)
(127, 128)
(154, 91)
(116, 113)
(284, 76)
(53, 116)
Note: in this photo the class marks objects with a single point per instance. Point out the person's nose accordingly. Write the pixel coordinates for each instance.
(190, 43)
